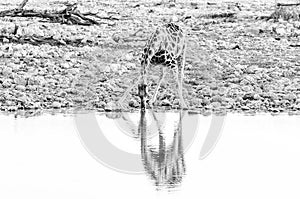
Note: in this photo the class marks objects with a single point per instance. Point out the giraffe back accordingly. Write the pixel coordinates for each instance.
(168, 40)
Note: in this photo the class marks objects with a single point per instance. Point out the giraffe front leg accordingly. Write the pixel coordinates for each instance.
(161, 78)
(121, 100)
(182, 102)
(180, 76)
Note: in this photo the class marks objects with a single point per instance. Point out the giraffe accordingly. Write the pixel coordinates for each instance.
(166, 47)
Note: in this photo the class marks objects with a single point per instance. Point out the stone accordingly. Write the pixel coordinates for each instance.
(20, 87)
(110, 106)
(12, 108)
(291, 96)
(5, 40)
(67, 56)
(130, 65)
(248, 96)
(245, 108)
(20, 80)
(129, 57)
(113, 68)
(133, 103)
(215, 105)
(7, 83)
(65, 65)
(7, 71)
(56, 105)
(256, 96)
(165, 102)
(280, 30)
(36, 105)
(217, 98)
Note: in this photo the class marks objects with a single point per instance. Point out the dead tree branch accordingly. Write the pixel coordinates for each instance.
(295, 45)
(221, 15)
(23, 4)
(39, 40)
(288, 4)
(286, 11)
(69, 15)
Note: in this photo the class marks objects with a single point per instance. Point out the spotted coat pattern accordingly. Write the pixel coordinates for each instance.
(165, 46)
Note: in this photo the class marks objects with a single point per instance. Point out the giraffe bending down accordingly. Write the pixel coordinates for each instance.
(166, 47)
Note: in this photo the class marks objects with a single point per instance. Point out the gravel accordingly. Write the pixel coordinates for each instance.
(239, 64)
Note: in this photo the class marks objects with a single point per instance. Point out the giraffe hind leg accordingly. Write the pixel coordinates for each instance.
(177, 66)
(179, 82)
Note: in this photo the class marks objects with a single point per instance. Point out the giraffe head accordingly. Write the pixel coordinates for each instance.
(142, 93)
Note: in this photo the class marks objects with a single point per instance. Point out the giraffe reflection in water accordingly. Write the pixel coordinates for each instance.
(162, 150)
(163, 163)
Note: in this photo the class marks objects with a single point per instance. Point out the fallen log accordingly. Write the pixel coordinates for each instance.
(221, 15)
(288, 4)
(295, 45)
(39, 40)
(69, 15)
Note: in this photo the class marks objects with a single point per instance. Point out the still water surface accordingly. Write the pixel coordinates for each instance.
(149, 155)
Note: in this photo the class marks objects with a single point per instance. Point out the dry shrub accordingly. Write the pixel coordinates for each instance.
(287, 13)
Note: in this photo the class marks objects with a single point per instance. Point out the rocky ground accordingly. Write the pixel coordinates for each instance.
(237, 61)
